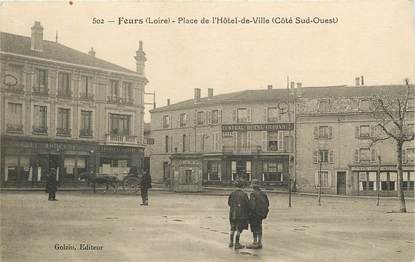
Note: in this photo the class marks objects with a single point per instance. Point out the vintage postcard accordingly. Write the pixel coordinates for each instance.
(207, 131)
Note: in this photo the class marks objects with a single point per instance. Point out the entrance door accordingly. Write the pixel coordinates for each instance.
(166, 171)
(341, 182)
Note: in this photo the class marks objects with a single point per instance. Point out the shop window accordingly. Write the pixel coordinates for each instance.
(186, 178)
(272, 171)
(241, 169)
(213, 169)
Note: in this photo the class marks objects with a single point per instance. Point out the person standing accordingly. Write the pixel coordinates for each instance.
(145, 184)
(238, 214)
(258, 210)
(51, 185)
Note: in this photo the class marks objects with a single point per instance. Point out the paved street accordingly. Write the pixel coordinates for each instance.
(177, 227)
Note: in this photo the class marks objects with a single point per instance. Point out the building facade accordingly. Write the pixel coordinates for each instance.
(66, 109)
(277, 135)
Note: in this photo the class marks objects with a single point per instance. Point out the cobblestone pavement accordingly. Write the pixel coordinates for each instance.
(192, 227)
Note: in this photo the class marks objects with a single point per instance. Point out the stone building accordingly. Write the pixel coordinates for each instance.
(63, 108)
(279, 134)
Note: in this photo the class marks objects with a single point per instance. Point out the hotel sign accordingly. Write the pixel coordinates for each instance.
(258, 127)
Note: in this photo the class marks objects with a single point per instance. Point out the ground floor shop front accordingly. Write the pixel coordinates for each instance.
(25, 161)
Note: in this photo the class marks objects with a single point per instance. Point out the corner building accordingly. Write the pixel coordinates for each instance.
(275, 135)
(66, 109)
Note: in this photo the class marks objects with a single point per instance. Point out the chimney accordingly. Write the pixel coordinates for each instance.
(168, 101)
(91, 52)
(210, 92)
(362, 81)
(197, 95)
(357, 80)
(140, 59)
(292, 84)
(269, 87)
(37, 37)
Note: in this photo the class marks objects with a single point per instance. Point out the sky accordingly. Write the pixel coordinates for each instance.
(375, 39)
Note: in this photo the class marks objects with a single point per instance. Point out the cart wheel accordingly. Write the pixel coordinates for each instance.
(132, 184)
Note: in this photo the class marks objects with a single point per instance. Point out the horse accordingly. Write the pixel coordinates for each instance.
(94, 179)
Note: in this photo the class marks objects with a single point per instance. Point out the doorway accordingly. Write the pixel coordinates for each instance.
(341, 182)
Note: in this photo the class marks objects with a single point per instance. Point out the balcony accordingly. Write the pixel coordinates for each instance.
(14, 128)
(17, 89)
(230, 150)
(120, 100)
(63, 132)
(86, 96)
(38, 91)
(121, 139)
(85, 132)
(64, 93)
(38, 130)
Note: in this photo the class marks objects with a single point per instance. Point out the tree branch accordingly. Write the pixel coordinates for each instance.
(386, 111)
(387, 132)
(375, 140)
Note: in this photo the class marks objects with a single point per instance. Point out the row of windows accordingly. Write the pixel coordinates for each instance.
(119, 124)
(212, 117)
(40, 85)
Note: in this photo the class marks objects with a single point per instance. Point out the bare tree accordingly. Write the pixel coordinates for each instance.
(392, 112)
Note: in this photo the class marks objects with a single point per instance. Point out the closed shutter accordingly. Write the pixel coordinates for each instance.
(356, 132)
(356, 155)
(330, 132)
(249, 115)
(264, 140)
(331, 156)
(249, 136)
(280, 141)
(265, 118)
(316, 132)
(373, 155)
(220, 116)
(315, 156)
(234, 115)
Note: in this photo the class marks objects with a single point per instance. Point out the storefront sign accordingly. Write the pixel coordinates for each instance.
(258, 127)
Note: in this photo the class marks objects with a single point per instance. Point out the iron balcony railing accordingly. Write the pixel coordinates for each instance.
(121, 139)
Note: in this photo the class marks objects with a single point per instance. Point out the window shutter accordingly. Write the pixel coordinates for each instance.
(316, 132)
(234, 115)
(249, 135)
(356, 131)
(195, 118)
(316, 179)
(170, 121)
(264, 140)
(235, 139)
(315, 156)
(220, 116)
(208, 117)
(249, 115)
(404, 160)
(330, 132)
(265, 115)
(331, 157)
(373, 153)
(280, 141)
(356, 155)
(329, 178)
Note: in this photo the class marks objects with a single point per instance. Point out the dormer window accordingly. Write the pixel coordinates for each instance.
(323, 106)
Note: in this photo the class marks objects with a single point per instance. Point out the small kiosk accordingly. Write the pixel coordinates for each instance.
(186, 173)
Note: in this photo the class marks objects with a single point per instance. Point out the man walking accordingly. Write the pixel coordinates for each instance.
(259, 207)
(238, 214)
(51, 185)
(144, 186)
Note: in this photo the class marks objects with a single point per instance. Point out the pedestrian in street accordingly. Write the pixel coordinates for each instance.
(145, 184)
(51, 185)
(238, 214)
(258, 210)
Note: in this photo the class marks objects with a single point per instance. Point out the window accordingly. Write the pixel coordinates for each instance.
(166, 121)
(200, 118)
(323, 132)
(187, 178)
(213, 171)
(15, 118)
(166, 144)
(364, 105)
(184, 142)
(183, 120)
(272, 171)
(86, 123)
(322, 178)
(119, 124)
(273, 141)
(242, 115)
(410, 154)
(86, 87)
(64, 86)
(216, 142)
(114, 88)
(365, 154)
(324, 156)
(63, 121)
(41, 84)
(272, 114)
(323, 106)
(40, 119)
(149, 141)
(364, 131)
(126, 93)
(215, 116)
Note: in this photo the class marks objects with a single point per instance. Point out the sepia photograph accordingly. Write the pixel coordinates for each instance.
(207, 131)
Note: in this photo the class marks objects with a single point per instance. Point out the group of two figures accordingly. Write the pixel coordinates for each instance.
(246, 210)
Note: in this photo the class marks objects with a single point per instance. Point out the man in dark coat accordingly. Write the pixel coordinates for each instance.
(258, 210)
(238, 214)
(51, 185)
(144, 186)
